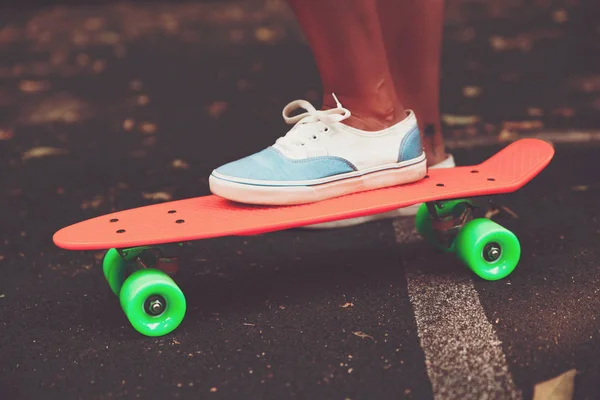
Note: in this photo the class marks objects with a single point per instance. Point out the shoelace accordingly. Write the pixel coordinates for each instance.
(299, 137)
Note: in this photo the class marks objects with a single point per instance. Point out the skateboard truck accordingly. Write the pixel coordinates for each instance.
(448, 217)
(164, 257)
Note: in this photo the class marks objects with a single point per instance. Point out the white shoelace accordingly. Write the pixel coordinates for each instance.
(299, 137)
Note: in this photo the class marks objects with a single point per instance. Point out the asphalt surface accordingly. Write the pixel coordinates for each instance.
(93, 122)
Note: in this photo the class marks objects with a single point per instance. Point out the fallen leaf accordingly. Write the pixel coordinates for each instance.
(128, 124)
(93, 204)
(471, 91)
(175, 341)
(492, 212)
(34, 86)
(535, 112)
(148, 128)
(157, 196)
(454, 120)
(142, 100)
(136, 85)
(524, 125)
(346, 305)
(265, 34)
(39, 152)
(217, 108)
(109, 38)
(247, 324)
(6, 134)
(560, 16)
(82, 59)
(509, 212)
(558, 388)
(566, 112)
(94, 23)
(363, 335)
(506, 135)
(580, 188)
(179, 164)
(98, 66)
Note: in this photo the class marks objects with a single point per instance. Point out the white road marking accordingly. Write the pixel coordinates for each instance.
(463, 355)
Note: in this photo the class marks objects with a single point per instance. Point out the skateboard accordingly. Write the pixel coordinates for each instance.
(143, 245)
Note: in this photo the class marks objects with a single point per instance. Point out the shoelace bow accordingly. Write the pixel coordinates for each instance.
(298, 137)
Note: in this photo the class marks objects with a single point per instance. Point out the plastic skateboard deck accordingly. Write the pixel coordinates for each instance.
(211, 216)
(141, 255)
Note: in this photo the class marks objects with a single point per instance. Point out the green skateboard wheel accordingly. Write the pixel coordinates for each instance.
(423, 221)
(115, 270)
(152, 302)
(490, 250)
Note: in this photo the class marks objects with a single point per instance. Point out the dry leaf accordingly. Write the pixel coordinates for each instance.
(38, 152)
(523, 125)
(265, 34)
(506, 135)
(34, 86)
(6, 134)
(346, 305)
(535, 112)
(94, 23)
(142, 100)
(148, 128)
(109, 38)
(82, 59)
(217, 108)
(509, 212)
(492, 212)
(454, 120)
(499, 43)
(363, 335)
(157, 196)
(98, 66)
(247, 324)
(179, 164)
(580, 188)
(136, 85)
(566, 112)
(61, 108)
(128, 124)
(560, 16)
(94, 203)
(471, 91)
(558, 388)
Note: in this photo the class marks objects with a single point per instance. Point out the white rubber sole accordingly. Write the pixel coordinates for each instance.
(292, 195)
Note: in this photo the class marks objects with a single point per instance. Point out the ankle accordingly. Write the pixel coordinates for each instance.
(369, 112)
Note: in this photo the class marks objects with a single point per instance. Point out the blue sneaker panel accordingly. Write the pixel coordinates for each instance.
(271, 165)
(411, 146)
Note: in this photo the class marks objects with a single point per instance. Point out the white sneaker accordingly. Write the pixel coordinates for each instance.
(321, 158)
(400, 212)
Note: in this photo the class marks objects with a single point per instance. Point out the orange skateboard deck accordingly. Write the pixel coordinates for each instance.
(142, 242)
(211, 216)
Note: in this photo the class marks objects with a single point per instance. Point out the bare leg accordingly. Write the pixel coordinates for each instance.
(347, 44)
(412, 33)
